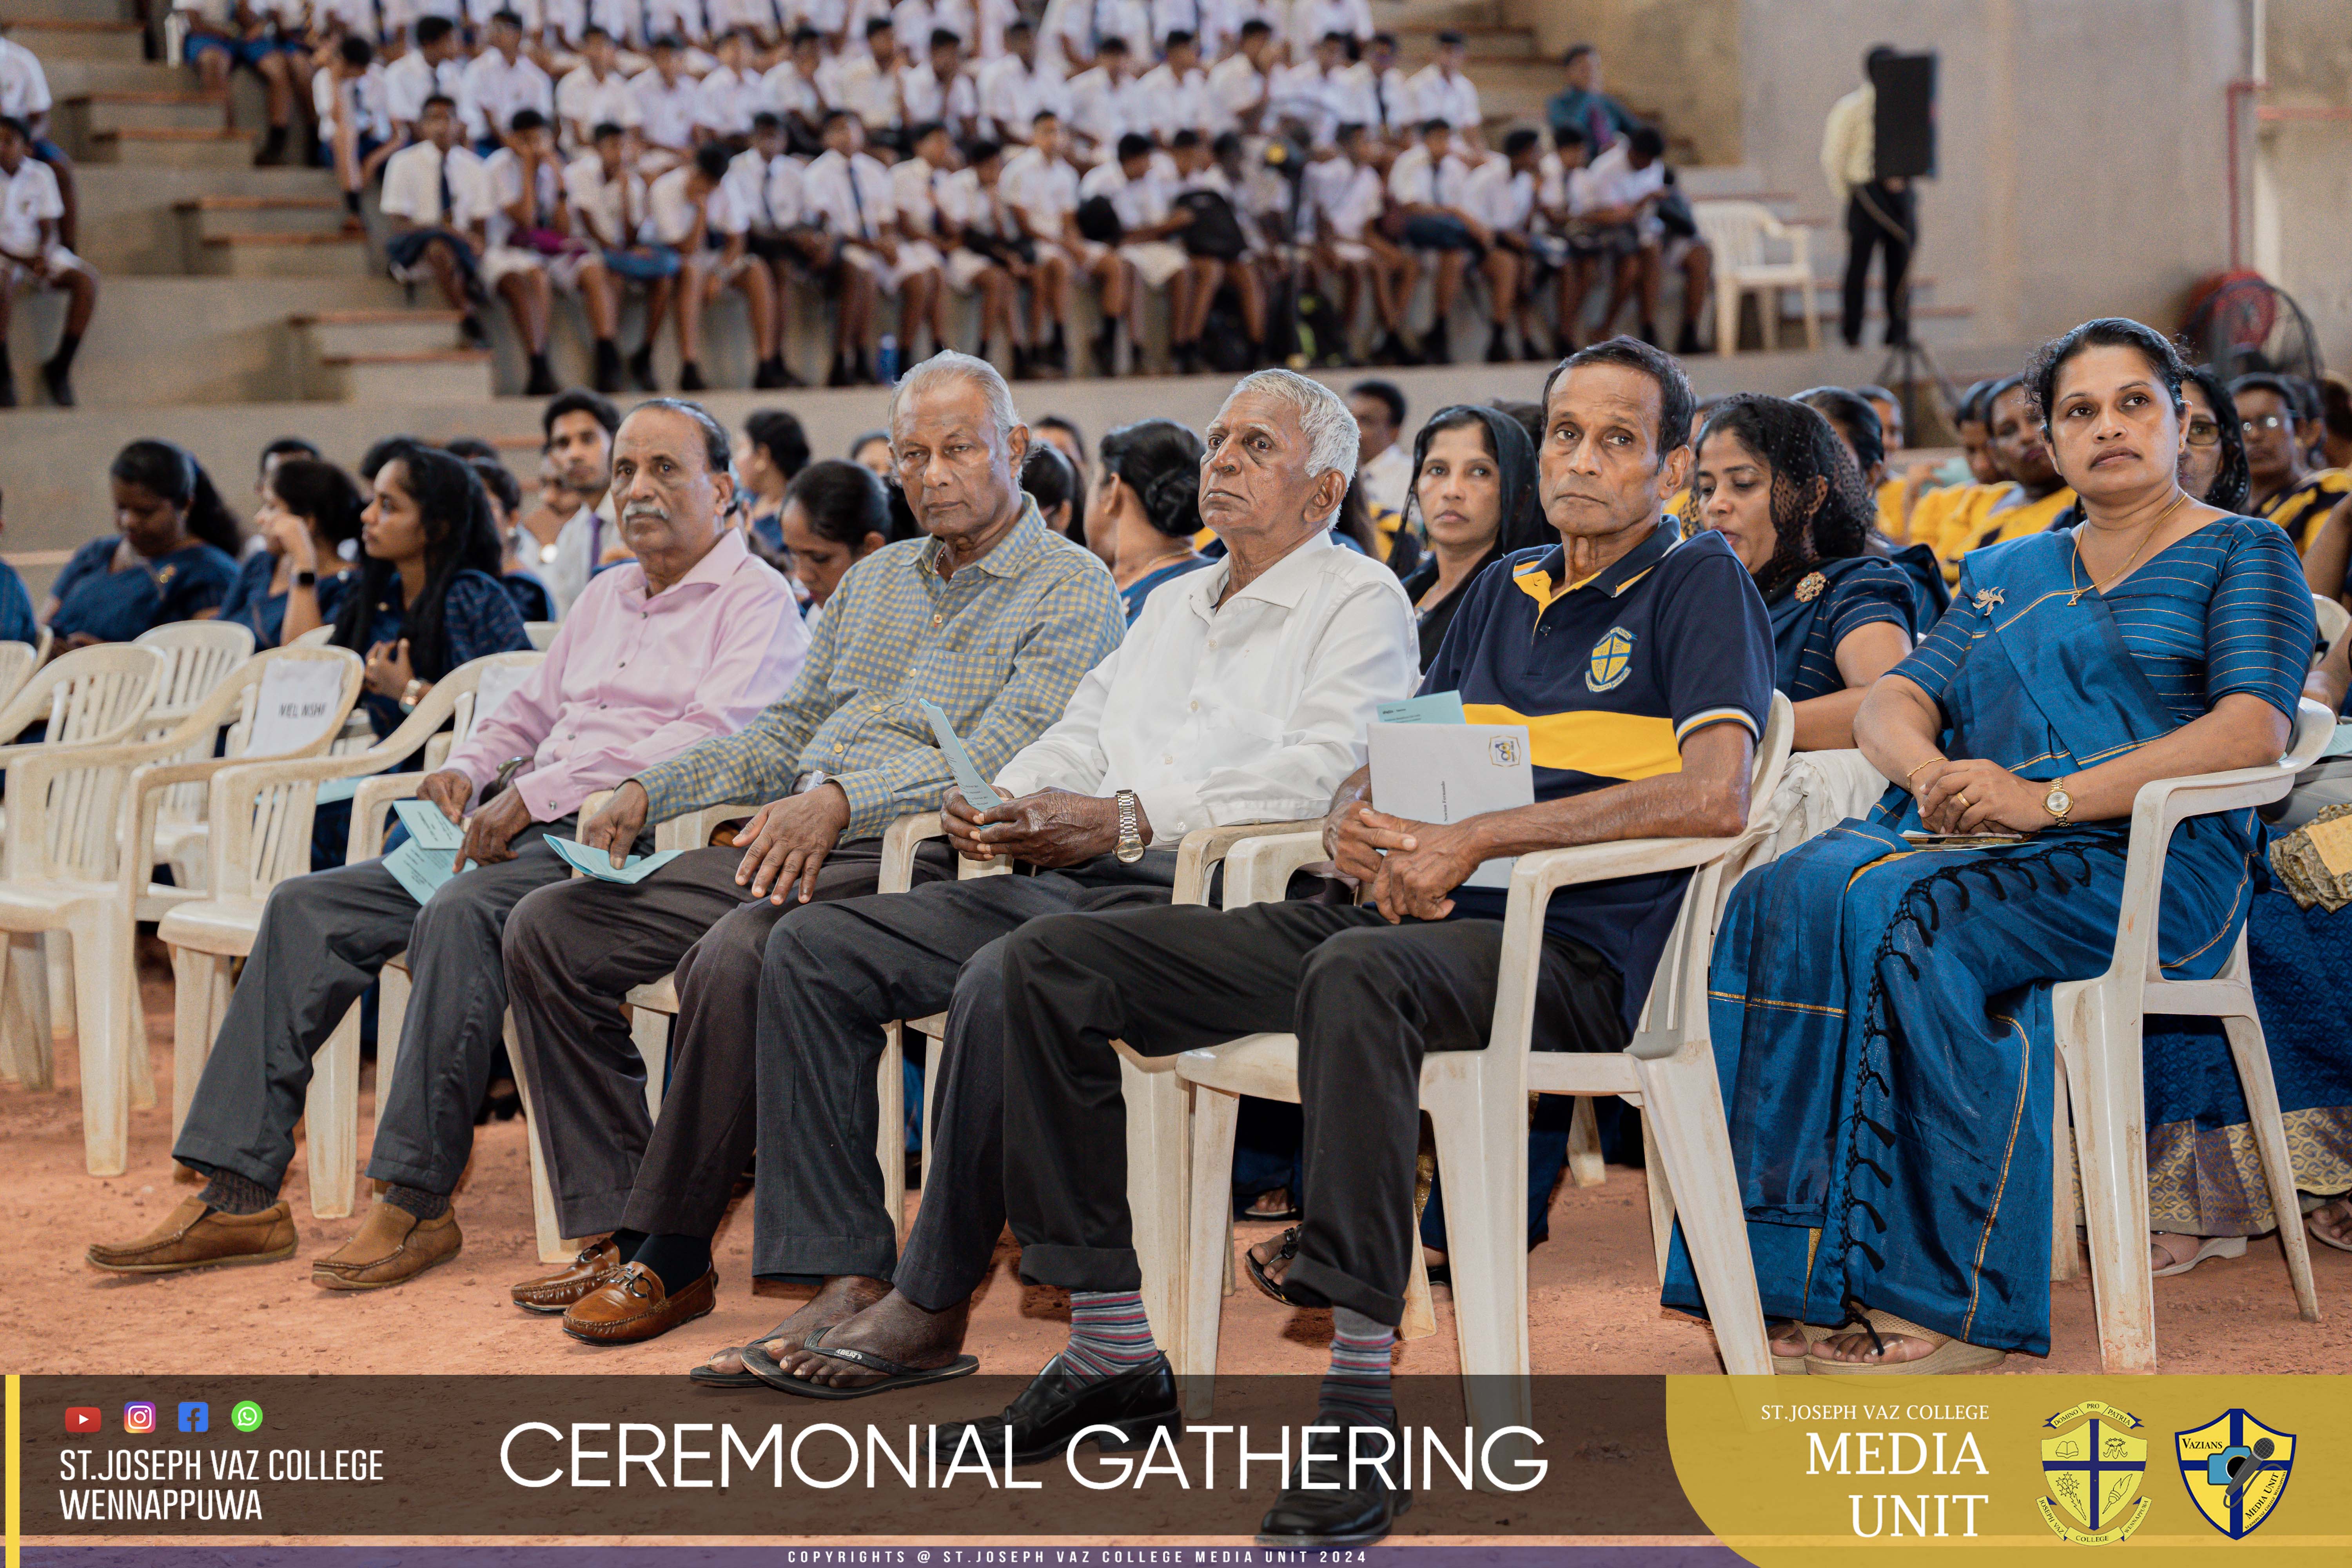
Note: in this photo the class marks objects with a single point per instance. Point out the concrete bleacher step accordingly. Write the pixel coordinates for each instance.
(72, 78)
(262, 253)
(33, 11)
(346, 334)
(67, 38)
(212, 147)
(82, 116)
(224, 216)
(422, 376)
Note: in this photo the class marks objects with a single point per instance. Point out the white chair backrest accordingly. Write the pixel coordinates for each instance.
(202, 654)
(16, 662)
(2334, 619)
(1734, 231)
(540, 633)
(92, 696)
(316, 637)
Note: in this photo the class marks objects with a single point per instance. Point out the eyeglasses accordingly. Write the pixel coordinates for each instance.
(2267, 422)
(2203, 433)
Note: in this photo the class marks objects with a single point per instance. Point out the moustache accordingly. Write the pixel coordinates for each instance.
(642, 509)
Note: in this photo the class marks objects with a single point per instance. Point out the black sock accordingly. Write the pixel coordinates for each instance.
(680, 1260)
(226, 1191)
(413, 1200)
(352, 203)
(627, 1242)
(277, 141)
(69, 345)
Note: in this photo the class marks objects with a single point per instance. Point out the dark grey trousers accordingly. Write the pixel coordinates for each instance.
(323, 939)
(833, 979)
(573, 951)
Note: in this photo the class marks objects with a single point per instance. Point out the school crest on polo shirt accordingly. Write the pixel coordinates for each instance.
(1612, 660)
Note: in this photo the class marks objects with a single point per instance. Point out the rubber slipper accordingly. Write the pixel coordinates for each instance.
(2209, 1247)
(708, 1379)
(1286, 1248)
(895, 1374)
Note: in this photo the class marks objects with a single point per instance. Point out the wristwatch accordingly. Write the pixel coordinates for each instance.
(1130, 828)
(2058, 803)
(411, 695)
(306, 579)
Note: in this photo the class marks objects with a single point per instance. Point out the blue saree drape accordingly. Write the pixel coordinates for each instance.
(1881, 1011)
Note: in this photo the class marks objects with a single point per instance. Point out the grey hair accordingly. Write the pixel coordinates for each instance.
(718, 451)
(1323, 418)
(948, 362)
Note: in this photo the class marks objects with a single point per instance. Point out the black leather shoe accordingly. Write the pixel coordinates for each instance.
(1059, 1405)
(1324, 1517)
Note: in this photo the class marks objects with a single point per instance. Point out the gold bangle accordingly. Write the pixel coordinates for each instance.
(1907, 778)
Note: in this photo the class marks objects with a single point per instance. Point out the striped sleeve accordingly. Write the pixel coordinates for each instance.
(1936, 663)
(1867, 596)
(2260, 628)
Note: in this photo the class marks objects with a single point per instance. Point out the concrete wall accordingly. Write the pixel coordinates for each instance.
(2080, 142)
(1678, 59)
(2302, 202)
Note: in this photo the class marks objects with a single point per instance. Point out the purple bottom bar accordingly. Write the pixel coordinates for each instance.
(876, 1555)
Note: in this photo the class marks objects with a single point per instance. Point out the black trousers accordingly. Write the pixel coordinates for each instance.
(1367, 1000)
(1877, 218)
(833, 977)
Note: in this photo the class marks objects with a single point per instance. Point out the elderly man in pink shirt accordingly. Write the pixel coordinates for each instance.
(691, 639)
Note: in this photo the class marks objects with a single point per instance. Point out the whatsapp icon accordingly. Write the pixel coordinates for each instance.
(245, 1415)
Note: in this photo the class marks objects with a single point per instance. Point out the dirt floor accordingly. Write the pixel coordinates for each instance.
(1592, 1289)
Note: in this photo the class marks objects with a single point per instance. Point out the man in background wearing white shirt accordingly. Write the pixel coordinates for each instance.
(731, 92)
(866, 84)
(1425, 184)
(353, 97)
(435, 65)
(1015, 89)
(1348, 197)
(1104, 104)
(848, 192)
(1173, 95)
(939, 90)
(693, 213)
(1139, 185)
(1239, 83)
(667, 101)
(1383, 464)
(1242, 693)
(1630, 181)
(765, 185)
(31, 255)
(1501, 194)
(436, 201)
(789, 90)
(532, 216)
(24, 93)
(918, 191)
(1313, 20)
(608, 207)
(1440, 90)
(1383, 91)
(594, 94)
(500, 81)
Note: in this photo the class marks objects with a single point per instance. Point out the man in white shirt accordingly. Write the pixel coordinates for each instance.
(846, 191)
(1501, 194)
(437, 203)
(1239, 84)
(1014, 90)
(1139, 185)
(939, 90)
(577, 430)
(730, 93)
(685, 20)
(31, 255)
(594, 94)
(608, 209)
(225, 34)
(980, 241)
(1104, 103)
(1173, 95)
(764, 183)
(791, 90)
(24, 93)
(1383, 91)
(501, 81)
(352, 96)
(1242, 693)
(1077, 28)
(530, 214)
(918, 184)
(1313, 92)
(1311, 21)
(668, 100)
(1042, 184)
(1440, 90)
(867, 84)
(435, 65)
(694, 212)
(1425, 184)
(1348, 198)
(1383, 463)
(1629, 181)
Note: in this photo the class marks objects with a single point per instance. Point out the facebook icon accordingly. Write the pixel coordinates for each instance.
(195, 1416)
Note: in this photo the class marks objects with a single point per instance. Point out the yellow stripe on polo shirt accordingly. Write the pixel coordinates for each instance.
(1605, 745)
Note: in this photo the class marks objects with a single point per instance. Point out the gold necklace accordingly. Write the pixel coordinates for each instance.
(2156, 524)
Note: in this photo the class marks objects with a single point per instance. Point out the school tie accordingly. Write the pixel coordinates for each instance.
(1381, 96)
(449, 198)
(856, 198)
(768, 199)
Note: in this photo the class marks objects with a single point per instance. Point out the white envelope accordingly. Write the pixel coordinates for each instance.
(1446, 773)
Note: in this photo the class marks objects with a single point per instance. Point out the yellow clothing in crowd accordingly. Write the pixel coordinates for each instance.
(2301, 511)
(1950, 517)
(1890, 509)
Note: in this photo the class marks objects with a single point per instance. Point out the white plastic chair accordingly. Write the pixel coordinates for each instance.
(2333, 621)
(261, 814)
(542, 633)
(316, 637)
(202, 653)
(88, 698)
(16, 662)
(1477, 1102)
(1737, 232)
(2099, 1027)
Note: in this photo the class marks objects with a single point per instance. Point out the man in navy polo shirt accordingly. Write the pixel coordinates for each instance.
(1641, 666)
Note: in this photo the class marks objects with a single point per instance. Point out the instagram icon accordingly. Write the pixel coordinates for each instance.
(139, 1416)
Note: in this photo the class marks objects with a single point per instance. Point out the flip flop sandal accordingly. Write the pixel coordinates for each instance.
(1290, 1216)
(708, 1379)
(2319, 1236)
(1949, 1356)
(1796, 1365)
(895, 1374)
(2211, 1247)
(1286, 1248)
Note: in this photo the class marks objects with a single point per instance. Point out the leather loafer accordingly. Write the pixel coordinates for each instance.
(1059, 1405)
(197, 1236)
(630, 1305)
(393, 1248)
(1321, 1516)
(551, 1293)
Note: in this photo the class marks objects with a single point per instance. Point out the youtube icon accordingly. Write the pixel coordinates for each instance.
(83, 1419)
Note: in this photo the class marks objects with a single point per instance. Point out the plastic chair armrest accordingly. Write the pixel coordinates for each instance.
(1258, 869)
(693, 830)
(899, 841)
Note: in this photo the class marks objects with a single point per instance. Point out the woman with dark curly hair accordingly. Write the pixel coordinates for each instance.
(1881, 996)
(1775, 480)
(1147, 501)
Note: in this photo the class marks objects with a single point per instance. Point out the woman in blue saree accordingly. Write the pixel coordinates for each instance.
(1776, 481)
(1881, 1005)
(309, 509)
(173, 556)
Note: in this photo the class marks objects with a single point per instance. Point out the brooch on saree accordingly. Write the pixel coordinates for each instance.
(1986, 599)
(1810, 588)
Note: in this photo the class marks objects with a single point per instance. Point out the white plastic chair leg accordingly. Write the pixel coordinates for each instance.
(1481, 1125)
(2111, 1127)
(649, 1032)
(890, 1127)
(102, 1038)
(2253, 1057)
(1158, 1166)
(1585, 1166)
(1662, 1195)
(933, 1072)
(1683, 1101)
(553, 1245)
(1727, 318)
(1216, 1117)
(56, 953)
(1420, 1319)
(136, 1057)
(332, 1115)
(25, 1046)
(2065, 1251)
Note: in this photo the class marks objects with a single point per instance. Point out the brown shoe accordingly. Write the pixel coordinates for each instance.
(553, 1293)
(198, 1236)
(631, 1305)
(393, 1248)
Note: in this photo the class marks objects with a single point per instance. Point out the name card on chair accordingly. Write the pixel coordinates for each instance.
(298, 701)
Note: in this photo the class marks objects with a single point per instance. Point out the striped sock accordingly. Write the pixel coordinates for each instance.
(1109, 1334)
(1357, 1388)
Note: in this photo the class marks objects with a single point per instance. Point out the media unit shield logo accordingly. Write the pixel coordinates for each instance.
(2235, 1469)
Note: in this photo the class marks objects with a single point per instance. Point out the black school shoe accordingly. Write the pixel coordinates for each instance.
(1321, 1516)
(1059, 1405)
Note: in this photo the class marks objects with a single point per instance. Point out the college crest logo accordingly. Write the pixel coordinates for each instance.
(2093, 1466)
(1612, 660)
(2235, 1469)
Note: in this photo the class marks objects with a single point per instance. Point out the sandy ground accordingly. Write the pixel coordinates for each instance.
(1593, 1289)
